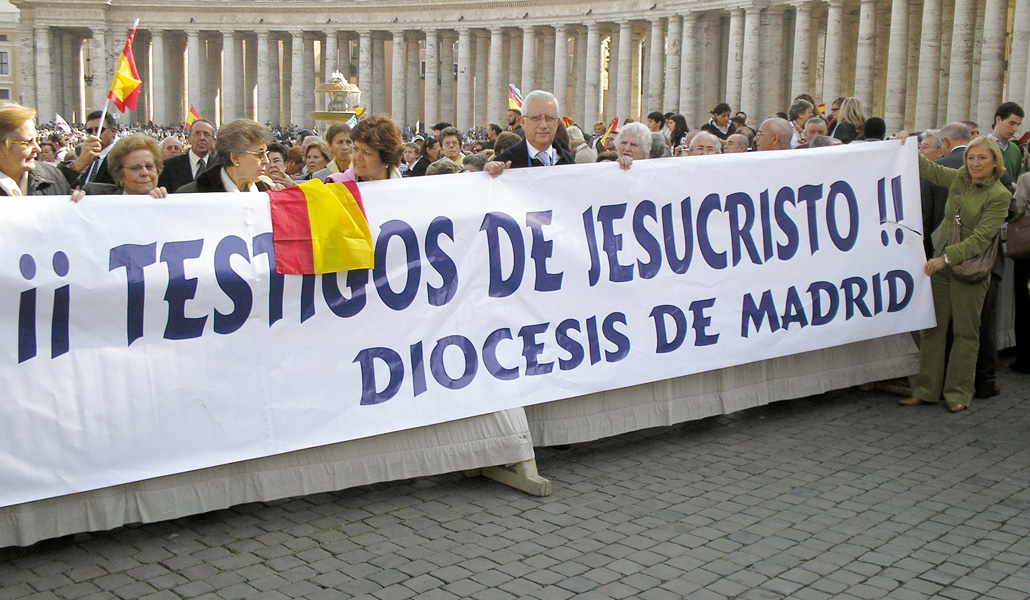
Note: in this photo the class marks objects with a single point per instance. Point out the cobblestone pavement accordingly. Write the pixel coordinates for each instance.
(844, 495)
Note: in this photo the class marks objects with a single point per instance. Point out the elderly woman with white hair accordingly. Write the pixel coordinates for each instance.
(632, 143)
(578, 144)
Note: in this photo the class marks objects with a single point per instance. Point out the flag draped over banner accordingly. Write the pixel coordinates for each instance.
(126, 85)
(514, 97)
(320, 228)
(192, 116)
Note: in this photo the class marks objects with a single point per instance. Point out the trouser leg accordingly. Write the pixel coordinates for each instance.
(933, 342)
(966, 302)
(987, 356)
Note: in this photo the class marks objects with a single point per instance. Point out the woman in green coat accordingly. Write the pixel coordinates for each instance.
(976, 192)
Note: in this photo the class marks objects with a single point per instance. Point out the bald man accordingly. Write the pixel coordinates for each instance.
(774, 134)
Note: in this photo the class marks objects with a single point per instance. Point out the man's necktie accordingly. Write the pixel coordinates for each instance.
(544, 158)
(201, 165)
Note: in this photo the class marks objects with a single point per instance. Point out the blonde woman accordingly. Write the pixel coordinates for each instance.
(850, 119)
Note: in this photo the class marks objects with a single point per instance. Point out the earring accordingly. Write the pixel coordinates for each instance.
(236, 164)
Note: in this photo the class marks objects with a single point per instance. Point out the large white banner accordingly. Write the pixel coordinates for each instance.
(141, 338)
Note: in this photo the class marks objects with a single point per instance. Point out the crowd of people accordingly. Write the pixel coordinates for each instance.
(971, 185)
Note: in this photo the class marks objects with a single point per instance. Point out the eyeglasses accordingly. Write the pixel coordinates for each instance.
(151, 167)
(260, 154)
(27, 143)
(94, 130)
(551, 120)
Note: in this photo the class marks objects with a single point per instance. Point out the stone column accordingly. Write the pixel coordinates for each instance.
(579, 81)
(897, 67)
(688, 62)
(413, 104)
(332, 62)
(545, 78)
(992, 62)
(772, 84)
(195, 71)
(44, 75)
(674, 43)
(959, 77)
(1019, 69)
(561, 68)
(929, 64)
(365, 68)
(246, 62)
(834, 51)
(378, 74)
(610, 101)
(865, 60)
(592, 95)
(495, 86)
(157, 71)
(397, 87)
(480, 72)
(446, 77)
(432, 106)
(655, 98)
(297, 115)
(750, 60)
(230, 108)
(463, 107)
(264, 74)
(624, 82)
(515, 58)
(735, 59)
(637, 76)
(802, 41)
(308, 89)
(528, 59)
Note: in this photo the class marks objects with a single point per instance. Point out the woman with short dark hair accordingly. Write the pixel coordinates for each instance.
(377, 151)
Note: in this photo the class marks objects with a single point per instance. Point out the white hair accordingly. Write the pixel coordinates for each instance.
(541, 95)
(639, 131)
(700, 136)
(575, 136)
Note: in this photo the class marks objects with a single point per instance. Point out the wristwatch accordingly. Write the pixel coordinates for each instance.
(946, 261)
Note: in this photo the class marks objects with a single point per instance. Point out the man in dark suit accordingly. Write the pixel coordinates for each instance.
(540, 123)
(183, 169)
(954, 138)
(90, 166)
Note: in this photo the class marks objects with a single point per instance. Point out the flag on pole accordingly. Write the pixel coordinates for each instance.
(568, 122)
(61, 123)
(192, 116)
(126, 85)
(320, 228)
(514, 97)
(359, 112)
(611, 128)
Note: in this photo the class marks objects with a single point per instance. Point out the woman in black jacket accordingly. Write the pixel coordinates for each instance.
(241, 160)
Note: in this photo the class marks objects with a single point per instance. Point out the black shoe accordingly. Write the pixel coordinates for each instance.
(988, 392)
(1019, 367)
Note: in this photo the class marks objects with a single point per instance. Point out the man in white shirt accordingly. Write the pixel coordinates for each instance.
(540, 124)
(182, 169)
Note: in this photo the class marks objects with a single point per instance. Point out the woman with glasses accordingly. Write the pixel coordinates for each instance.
(20, 173)
(241, 155)
(135, 163)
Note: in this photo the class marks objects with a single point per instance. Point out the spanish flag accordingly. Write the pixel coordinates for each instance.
(192, 116)
(320, 228)
(125, 87)
(611, 128)
(514, 97)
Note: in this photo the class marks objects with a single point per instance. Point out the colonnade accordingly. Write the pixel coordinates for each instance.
(918, 63)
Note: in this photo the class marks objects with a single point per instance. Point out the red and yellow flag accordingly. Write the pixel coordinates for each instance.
(514, 97)
(192, 116)
(320, 228)
(125, 87)
(568, 122)
(611, 128)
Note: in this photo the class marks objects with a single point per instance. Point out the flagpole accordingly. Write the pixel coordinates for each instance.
(107, 101)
